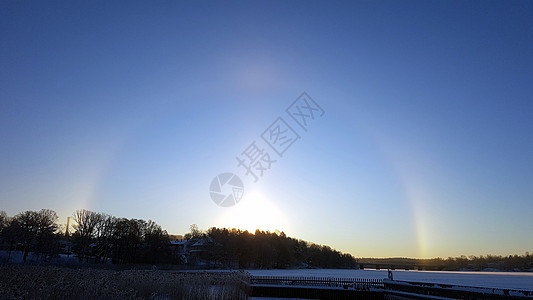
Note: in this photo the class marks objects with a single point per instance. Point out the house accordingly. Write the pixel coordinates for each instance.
(180, 251)
(65, 246)
(202, 251)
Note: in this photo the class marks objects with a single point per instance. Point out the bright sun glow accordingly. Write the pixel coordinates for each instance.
(253, 212)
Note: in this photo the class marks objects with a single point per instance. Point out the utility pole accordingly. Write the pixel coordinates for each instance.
(66, 231)
(68, 238)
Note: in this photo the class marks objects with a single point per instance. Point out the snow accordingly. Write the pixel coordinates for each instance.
(271, 298)
(505, 280)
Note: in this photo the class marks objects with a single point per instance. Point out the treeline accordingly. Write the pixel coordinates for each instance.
(100, 238)
(483, 262)
(121, 240)
(474, 263)
(30, 231)
(264, 250)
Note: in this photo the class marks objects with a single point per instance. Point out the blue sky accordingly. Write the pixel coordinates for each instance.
(425, 148)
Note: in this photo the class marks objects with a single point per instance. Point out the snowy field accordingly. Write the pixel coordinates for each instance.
(508, 280)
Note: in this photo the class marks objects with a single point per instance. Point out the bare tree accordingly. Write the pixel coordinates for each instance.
(156, 243)
(5, 236)
(104, 238)
(4, 220)
(195, 233)
(87, 223)
(34, 229)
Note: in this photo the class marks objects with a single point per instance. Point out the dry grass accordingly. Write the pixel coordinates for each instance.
(47, 282)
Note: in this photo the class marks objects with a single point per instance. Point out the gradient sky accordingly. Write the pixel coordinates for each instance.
(129, 108)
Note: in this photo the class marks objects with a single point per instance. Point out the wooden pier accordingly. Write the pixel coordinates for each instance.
(364, 288)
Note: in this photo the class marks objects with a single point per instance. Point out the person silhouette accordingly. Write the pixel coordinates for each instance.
(389, 274)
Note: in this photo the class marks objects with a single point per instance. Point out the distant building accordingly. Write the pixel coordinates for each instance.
(201, 251)
(180, 251)
(173, 237)
(65, 246)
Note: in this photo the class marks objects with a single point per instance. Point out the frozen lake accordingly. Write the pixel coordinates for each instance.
(509, 280)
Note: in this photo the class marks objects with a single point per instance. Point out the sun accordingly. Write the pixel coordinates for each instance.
(254, 211)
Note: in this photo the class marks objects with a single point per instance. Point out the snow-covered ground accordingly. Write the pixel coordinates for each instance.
(16, 257)
(507, 280)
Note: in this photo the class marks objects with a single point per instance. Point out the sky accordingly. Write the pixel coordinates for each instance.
(423, 146)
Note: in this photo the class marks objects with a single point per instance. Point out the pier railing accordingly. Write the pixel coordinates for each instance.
(358, 283)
